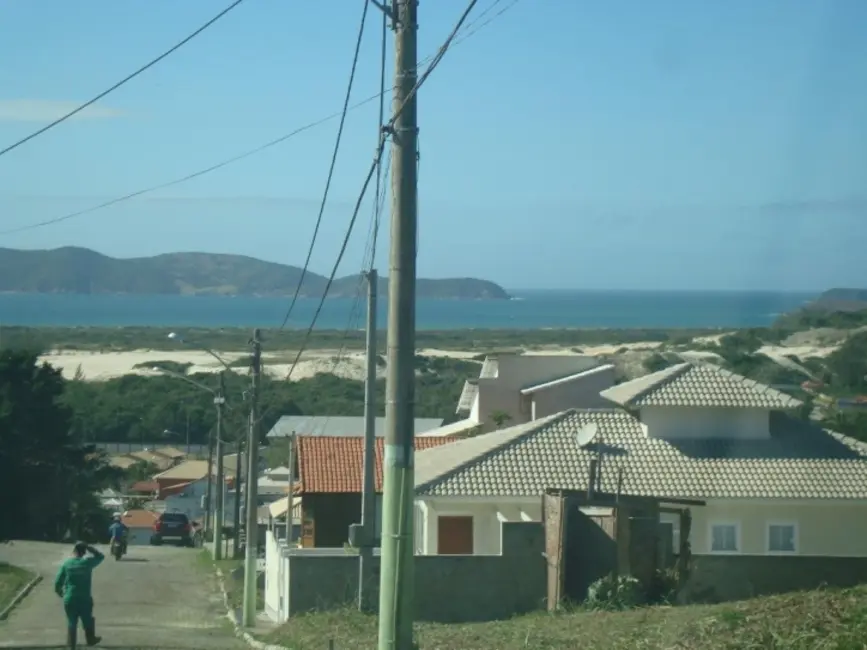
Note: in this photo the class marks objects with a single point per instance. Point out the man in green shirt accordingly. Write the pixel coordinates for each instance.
(73, 584)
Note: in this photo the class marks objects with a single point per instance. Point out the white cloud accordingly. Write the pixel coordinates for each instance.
(46, 110)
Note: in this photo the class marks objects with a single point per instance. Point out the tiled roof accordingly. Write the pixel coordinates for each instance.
(170, 452)
(144, 486)
(193, 470)
(490, 368)
(334, 464)
(797, 461)
(122, 462)
(139, 518)
(698, 385)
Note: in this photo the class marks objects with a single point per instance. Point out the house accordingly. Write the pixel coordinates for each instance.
(191, 498)
(111, 499)
(512, 389)
(340, 426)
(141, 526)
(122, 462)
(330, 471)
(780, 492)
(151, 457)
(144, 488)
(175, 454)
(187, 472)
(273, 484)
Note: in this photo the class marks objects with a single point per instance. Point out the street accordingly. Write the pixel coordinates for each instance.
(155, 597)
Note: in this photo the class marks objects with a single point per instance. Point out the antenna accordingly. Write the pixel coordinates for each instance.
(586, 434)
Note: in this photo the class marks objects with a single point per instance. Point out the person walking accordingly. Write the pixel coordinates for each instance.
(73, 585)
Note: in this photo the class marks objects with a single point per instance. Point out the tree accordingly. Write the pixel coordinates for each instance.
(47, 480)
(499, 418)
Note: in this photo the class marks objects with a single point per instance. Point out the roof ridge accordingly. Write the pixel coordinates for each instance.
(751, 383)
(667, 375)
(537, 426)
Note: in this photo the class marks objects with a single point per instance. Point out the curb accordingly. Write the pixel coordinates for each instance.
(239, 631)
(21, 595)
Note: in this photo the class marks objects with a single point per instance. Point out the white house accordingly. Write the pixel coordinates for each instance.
(273, 484)
(773, 484)
(525, 387)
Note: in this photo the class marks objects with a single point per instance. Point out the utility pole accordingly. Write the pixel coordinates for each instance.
(236, 532)
(290, 492)
(209, 499)
(368, 491)
(219, 400)
(396, 597)
(252, 544)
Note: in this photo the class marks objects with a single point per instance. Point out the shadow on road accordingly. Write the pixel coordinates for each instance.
(134, 559)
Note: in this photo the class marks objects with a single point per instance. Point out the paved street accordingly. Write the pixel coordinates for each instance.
(156, 597)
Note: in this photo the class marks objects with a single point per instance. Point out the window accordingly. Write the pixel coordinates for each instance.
(782, 537)
(725, 538)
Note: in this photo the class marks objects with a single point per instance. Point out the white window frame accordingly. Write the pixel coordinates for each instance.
(795, 537)
(738, 541)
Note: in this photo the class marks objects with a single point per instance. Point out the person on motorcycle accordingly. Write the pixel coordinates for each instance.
(73, 585)
(117, 532)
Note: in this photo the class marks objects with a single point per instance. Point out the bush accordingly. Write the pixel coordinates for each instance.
(615, 592)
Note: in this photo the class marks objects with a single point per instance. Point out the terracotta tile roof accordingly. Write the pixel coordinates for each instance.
(334, 464)
(144, 486)
(797, 461)
(139, 518)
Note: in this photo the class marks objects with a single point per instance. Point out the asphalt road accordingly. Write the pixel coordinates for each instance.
(155, 597)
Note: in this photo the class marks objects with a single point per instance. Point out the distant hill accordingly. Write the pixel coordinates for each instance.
(83, 271)
(840, 300)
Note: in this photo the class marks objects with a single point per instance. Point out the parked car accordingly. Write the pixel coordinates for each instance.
(172, 526)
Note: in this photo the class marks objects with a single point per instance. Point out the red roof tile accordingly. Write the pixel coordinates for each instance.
(334, 464)
(139, 518)
(144, 486)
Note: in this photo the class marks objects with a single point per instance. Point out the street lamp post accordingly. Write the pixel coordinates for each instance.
(219, 402)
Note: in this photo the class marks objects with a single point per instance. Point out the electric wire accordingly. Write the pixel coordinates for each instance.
(331, 167)
(242, 156)
(120, 83)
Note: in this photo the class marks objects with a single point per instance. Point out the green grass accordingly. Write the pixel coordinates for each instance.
(813, 620)
(234, 588)
(12, 580)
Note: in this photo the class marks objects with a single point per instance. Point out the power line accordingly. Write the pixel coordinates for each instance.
(123, 81)
(247, 154)
(333, 162)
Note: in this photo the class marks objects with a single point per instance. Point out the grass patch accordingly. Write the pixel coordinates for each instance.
(234, 588)
(12, 580)
(826, 619)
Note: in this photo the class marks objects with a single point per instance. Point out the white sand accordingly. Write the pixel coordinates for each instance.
(96, 366)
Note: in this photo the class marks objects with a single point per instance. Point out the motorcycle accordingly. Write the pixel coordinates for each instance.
(117, 549)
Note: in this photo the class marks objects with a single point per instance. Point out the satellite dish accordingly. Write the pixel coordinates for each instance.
(586, 434)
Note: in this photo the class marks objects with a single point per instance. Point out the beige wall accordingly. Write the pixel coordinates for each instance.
(488, 516)
(706, 422)
(824, 528)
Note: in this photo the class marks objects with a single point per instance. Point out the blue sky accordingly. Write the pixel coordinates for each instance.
(671, 144)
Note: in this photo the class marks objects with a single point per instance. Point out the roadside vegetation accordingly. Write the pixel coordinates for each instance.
(827, 619)
(12, 580)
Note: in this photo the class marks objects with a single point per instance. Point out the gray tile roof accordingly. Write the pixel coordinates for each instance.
(340, 426)
(798, 461)
(490, 368)
(698, 385)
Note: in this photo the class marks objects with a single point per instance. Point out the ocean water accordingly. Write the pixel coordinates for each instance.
(529, 310)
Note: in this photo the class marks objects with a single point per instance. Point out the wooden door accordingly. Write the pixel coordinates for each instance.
(455, 535)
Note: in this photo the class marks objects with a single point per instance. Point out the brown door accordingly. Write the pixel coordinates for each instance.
(455, 536)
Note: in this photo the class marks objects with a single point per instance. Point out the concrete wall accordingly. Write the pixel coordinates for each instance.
(718, 578)
(139, 536)
(691, 423)
(583, 392)
(503, 392)
(448, 588)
